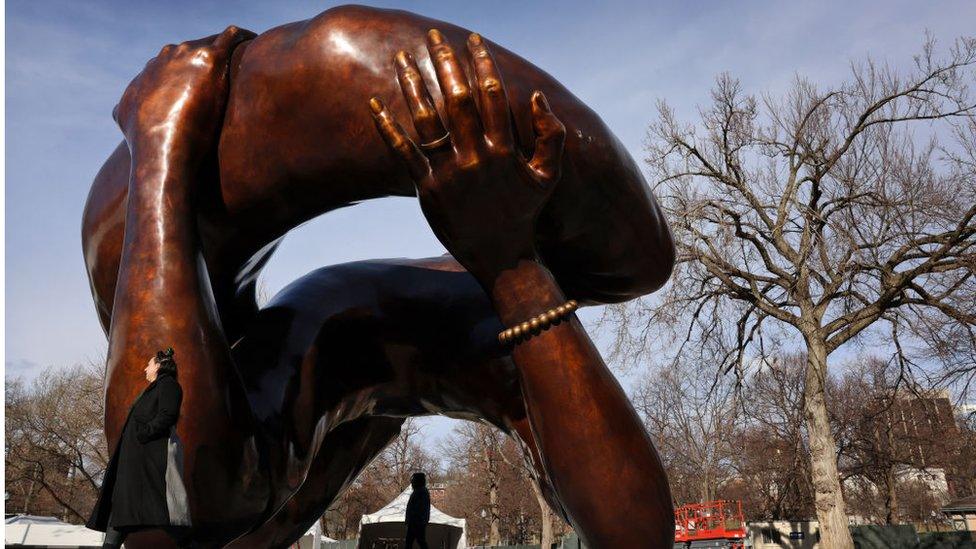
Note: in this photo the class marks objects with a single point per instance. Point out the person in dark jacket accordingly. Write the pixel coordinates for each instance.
(143, 486)
(418, 512)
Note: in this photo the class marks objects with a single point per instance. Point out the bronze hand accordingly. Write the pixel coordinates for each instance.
(482, 198)
(480, 195)
(183, 89)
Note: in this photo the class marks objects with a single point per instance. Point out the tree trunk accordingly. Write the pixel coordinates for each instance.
(891, 497)
(545, 516)
(706, 486)
(27, 500)
(494, 536)
(891, 500)
(834, 531)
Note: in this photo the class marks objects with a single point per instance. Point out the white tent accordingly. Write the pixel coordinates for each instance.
(389, 525)
(313, 538)
(48, 532)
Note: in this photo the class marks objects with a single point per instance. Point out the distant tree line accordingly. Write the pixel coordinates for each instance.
(55, 453)
(902, 451)
(721, 437)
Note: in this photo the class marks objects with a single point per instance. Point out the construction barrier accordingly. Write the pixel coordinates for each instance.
(947, 540)
(884, 537)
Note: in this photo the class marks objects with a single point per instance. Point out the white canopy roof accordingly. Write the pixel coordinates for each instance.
(32, 519)
(396, 511)
(48, 531)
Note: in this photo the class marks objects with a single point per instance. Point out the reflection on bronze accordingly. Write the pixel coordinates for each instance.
(234, 139)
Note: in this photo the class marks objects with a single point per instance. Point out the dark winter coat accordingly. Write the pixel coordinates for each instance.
(418, 507)
(143, 484)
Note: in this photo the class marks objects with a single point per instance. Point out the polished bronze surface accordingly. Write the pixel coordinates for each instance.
(232, 140)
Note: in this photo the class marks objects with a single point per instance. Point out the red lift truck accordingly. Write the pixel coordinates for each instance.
(716, 524)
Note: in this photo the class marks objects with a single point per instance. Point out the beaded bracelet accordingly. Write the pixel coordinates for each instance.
(537, 323)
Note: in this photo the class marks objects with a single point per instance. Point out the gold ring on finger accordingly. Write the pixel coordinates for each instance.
(437, 143)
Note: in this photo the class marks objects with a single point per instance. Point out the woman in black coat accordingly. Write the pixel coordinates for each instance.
(143, 485)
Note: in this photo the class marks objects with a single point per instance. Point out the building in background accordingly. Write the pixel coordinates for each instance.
(962, 513)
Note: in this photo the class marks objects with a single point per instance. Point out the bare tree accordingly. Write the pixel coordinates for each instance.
(549, 520)
(895, 435)
(518, 461)
(862, 408)
(818, 216)
(476, 446)
(692, 415)
(380, 482)
(491, 484)
(964, 467)
(55, 452)
(772, 453)
(403, 457)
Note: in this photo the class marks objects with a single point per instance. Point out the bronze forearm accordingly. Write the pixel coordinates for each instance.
(588, 433)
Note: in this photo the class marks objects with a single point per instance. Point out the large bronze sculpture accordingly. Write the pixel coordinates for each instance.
(232, 140)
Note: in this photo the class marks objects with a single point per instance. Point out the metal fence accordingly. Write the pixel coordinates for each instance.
(571, 541)
(905, 537)
(947, 540)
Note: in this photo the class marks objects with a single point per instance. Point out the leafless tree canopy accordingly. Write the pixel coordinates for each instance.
(490, 484)
(380, 482)
(817, 217)
(826, 209)
(55, 452)
(693, 421)
(772, 452)
(892, 439)
(719, 440)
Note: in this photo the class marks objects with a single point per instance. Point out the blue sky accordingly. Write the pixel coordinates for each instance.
(68, 62)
